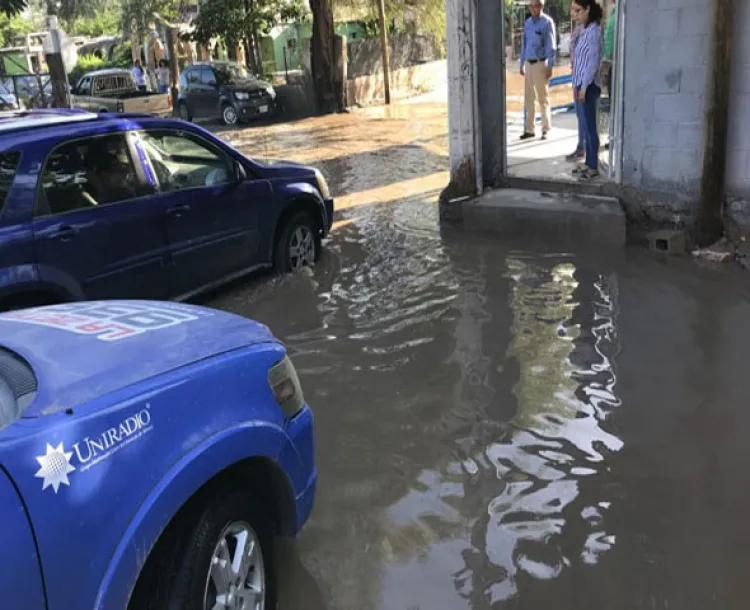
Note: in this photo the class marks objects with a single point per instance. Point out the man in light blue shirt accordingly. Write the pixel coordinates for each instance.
(537, 60)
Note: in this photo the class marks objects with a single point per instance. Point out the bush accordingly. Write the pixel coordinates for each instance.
(87, 63)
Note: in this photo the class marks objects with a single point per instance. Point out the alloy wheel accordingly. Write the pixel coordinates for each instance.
(301, 248)
(236, 577)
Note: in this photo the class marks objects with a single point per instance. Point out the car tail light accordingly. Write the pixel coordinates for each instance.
(286, 387)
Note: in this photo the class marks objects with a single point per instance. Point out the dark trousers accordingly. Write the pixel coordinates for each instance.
(580, 119)
(589, 113)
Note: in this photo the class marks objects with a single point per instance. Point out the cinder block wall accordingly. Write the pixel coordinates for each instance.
(738, 169)
(666, 51)
(667, 46)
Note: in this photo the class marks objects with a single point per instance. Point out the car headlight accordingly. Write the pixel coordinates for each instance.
(322, 184)
(271, 91)
(241, 95)
(286, 387)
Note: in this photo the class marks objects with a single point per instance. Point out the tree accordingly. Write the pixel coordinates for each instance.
(322, 55)
(235, 21)
(11, 8)
(10, 27)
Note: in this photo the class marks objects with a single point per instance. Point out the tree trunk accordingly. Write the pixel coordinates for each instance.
(322, 55)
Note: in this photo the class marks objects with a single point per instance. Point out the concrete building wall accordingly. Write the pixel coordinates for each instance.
(666, 52)
(738, 168)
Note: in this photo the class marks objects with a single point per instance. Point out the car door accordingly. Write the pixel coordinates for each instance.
(20, 576)
(209, 93)
(192, 80)
(212, 216)
(95, 228)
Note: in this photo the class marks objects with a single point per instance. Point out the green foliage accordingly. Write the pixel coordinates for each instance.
(10, 8)
(87, 63)
(413, 16)
(228, 19)
(10, 27)
(141, 12)
(105, 23)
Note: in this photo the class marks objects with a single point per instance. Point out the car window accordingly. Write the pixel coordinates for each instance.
(194, 77)
(8, 165)
(84, 88)
(207, 76)
(182, 160)
(87, 173)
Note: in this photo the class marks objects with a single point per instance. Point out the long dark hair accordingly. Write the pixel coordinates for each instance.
(595, 10)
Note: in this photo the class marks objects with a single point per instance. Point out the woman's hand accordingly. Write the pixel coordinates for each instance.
(582, 94)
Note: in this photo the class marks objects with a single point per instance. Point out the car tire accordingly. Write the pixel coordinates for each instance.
(226, 523)
(229, 115)
(184, 112)
(299, 244)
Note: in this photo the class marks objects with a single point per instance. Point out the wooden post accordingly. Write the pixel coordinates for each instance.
(385, 52)
(709, 223)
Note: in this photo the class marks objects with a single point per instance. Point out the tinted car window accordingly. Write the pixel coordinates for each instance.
(207, 76)
(87, 173)
(8, 166)
(194, 76)
(84, 87)
(182, 160)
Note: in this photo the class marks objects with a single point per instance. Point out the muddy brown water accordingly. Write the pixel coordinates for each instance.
(503, 425)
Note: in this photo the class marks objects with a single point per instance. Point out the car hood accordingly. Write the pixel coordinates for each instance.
(273, 168)
(248, 85)
(81, 351)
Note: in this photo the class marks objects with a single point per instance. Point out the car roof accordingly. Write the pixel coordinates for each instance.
(58, 121)
(32, 119)
(107, 72)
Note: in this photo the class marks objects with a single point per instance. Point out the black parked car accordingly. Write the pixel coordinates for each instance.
(225, 90)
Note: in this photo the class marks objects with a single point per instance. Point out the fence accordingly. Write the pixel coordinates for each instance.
(31, 90)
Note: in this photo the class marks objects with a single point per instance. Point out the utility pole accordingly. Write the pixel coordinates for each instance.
(54, 59)
(174, 66)
(385, 52)
(709, 225)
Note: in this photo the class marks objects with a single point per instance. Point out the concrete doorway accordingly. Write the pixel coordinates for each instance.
(540, 159)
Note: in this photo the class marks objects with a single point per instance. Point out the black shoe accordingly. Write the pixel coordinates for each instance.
(527, 136)
(544, 135)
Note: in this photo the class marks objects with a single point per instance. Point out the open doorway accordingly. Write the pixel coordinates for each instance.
(549, 156)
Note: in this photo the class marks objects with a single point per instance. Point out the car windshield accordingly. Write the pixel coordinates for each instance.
(230, 73)
(18, 386)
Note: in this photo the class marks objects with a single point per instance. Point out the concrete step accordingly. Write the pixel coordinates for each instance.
(540, 215)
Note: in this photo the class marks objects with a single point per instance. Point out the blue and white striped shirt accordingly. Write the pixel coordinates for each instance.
(539, 40)
(588, 56)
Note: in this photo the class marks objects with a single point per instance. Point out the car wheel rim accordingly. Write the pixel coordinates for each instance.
(183, 112)
(230, 116)
(236, 576)
(301, 248)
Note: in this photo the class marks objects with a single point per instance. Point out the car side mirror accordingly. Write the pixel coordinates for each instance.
(74, 90)
(239, 172)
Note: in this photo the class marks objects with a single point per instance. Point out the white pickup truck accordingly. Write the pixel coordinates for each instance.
(114, 90)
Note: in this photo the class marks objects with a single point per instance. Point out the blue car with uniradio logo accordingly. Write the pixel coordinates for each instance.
(149, 453)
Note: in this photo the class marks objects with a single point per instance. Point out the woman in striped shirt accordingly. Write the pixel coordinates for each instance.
(586, 82)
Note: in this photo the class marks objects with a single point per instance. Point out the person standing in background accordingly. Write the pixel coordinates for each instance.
(580, 150)
(537, 60)
(139, 75)
(586, 81)
(163, 76)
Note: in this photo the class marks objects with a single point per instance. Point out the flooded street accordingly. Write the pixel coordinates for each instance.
(500, 426)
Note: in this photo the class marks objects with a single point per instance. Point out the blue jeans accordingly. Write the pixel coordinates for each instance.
(580, 147)
(163, 88)
(589, 112)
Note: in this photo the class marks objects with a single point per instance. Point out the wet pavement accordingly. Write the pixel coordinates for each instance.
(502, 425)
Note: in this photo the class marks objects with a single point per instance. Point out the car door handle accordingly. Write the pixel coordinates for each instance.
(65, 233)
(178, 211)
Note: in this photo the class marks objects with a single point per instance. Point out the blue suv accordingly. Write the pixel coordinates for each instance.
(97, 206)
